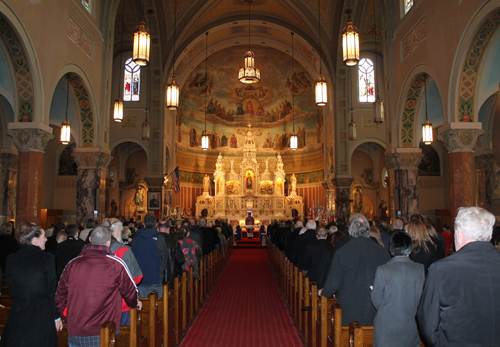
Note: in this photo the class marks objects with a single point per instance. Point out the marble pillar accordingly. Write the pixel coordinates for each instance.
(91, 183)
(485, 180)
(403, 180)
(30, 140)
(330, 199)
(8, 185)
(460, 143)
(343, 200)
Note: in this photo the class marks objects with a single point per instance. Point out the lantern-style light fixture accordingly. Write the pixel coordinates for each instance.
(146, 129)
(66, 125)
(293, 138)
(173, 88)
(249, 74)
(352, 127)
(118, 108)
(350, 42)
(205, 142)
(321, 86)
(378, 105)
(142, 42)
(427, 126)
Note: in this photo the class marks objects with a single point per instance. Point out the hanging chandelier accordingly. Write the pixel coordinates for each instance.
(205, 143)
(142, 39)
(378, 105)
(249, 74)
(350, 42)
(118, 107)
(352, 127)
(321, 86)
(427, 126)
(66, 125)
(293, 138)
(146, 128)
(173, 88)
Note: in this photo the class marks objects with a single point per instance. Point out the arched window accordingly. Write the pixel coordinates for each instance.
(408, 5)
(131, 81)
(366, 77)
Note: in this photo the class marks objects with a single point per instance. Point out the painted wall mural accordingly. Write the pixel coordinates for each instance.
(232, 105)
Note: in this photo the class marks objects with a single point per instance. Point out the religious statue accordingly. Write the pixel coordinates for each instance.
(279, 163)
(249, 182)
(232, 164)
(383, 211)
(140, 198)
(267, 164)
(206, 183)
(293, 181)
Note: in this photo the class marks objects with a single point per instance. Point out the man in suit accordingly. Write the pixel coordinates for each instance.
(396, 293)
(309, 236)
(292, 237)
(459, 304)
(68, 249)
(312, 254)
(353, 272)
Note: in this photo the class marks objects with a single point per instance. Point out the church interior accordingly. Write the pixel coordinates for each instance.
(380, 107)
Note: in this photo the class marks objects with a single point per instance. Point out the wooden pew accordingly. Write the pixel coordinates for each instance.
(355, 335)
(132, 336)
(108, 334)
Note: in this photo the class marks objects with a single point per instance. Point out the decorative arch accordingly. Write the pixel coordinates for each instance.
(469, 73)
(22, 71)
(129, 139)
(410, 105)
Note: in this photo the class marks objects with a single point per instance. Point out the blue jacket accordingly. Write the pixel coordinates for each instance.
(150, 250)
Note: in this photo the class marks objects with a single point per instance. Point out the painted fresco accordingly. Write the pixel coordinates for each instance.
(232, 105)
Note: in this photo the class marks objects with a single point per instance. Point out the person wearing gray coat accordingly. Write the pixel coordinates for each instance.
(396, 293)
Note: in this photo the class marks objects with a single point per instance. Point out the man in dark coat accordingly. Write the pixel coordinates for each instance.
(312, 254)
(150, 251)
(459, 304)
(175, 257)
(208, 238)
(292, 237)
(68, 249)
(302, 241)
(353, 272)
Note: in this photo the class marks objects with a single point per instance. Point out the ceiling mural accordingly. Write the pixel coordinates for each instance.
(233, 107)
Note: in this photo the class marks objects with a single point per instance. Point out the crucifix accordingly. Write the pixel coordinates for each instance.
(249, 126)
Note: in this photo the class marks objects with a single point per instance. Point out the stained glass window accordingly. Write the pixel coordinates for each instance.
(86, 4)
(131, 81)
(366, 75)
(408, 5)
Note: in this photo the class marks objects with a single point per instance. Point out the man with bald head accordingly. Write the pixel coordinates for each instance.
(397, 225)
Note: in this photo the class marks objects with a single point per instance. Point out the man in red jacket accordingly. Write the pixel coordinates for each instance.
(90, 290)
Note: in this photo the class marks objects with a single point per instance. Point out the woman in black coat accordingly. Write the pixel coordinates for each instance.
(425, 249)
(31, 277)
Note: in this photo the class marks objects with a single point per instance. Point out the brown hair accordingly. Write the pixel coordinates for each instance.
(6, 229)
(418, 232)
(26, 232)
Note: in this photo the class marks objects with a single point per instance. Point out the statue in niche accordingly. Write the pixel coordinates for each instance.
(206, 183)
(232, 164)
(293, 181)
(267, 164)
(67, 165)
(114, 209)
(249, 182)
(140, 198)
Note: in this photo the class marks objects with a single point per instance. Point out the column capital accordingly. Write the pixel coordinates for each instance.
(92, 157)
(460, 136)
(30, 137)
(343, 182)
(403, 158)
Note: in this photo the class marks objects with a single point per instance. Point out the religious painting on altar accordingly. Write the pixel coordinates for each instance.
(232, 187)
(267, 105)
(266, 188)
(249, 178)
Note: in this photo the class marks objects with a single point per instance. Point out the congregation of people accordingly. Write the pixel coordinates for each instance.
(409, 281)
(93, 274)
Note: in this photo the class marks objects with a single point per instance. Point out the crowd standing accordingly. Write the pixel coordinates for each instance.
(93, 274)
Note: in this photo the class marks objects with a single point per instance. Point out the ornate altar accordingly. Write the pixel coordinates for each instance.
(247, 189)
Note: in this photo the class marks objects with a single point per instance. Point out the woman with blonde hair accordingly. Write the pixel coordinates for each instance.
(425, 251)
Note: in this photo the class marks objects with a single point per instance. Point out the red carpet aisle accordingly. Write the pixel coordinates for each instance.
(245, 308)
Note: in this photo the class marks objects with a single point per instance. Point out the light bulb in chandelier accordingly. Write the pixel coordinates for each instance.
(378, 109)
(427, 137)
(321, 91)
(65, 132)
(205, 142)
(172, 95)
(350, 44)
(249, 74)
(118, 111)
(142, 41)
(293, 141)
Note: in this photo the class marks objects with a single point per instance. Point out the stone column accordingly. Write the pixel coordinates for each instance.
(30, 140)
(486, 179)
(91, 184)
(460, 140)
(343, 199)
(403, 175)
(8, 185)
